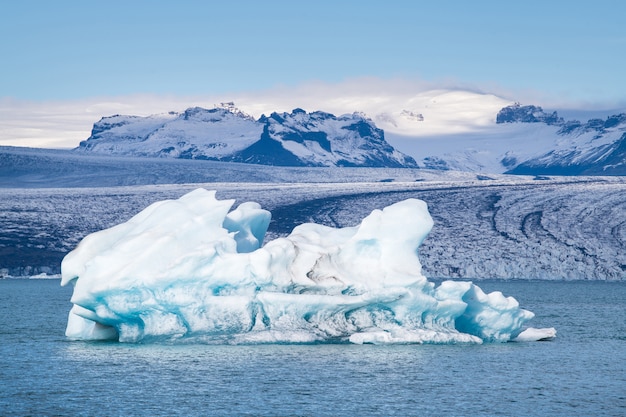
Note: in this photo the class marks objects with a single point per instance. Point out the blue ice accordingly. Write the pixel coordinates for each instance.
(193, 269)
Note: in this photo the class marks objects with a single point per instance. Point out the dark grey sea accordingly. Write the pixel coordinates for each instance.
(580, 373)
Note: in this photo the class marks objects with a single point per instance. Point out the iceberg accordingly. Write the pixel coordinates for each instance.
(194, 269)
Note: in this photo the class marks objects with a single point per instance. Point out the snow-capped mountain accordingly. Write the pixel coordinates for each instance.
(597, 147)
(321, 139)
(516, 139)
(439, 129)
(227, 134)
(527, 114)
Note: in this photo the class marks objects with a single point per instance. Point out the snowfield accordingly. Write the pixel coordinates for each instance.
(485, 226)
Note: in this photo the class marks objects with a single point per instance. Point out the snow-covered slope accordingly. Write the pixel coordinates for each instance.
(497, 226)
(321, 139)
(227, 134)
(515, 138)
(597, 147)
(439, 129)
(506, 227)
(193, 134)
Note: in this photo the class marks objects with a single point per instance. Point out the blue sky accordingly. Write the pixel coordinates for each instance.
(67, 63)
(74, 49)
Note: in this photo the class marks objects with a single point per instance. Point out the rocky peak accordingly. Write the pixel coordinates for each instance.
(516, 113)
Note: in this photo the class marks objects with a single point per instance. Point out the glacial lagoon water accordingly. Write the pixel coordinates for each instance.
(581, 372)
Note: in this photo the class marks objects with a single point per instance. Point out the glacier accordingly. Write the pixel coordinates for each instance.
(194, 269)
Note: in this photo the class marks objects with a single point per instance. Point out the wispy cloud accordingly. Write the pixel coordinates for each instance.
(63, 124)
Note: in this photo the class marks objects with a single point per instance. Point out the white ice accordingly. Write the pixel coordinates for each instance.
(192, 269)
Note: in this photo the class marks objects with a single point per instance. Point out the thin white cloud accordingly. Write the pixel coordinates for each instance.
(63, 124)
(447, 106)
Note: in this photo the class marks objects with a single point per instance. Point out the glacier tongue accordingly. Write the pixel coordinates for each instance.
(192, 269)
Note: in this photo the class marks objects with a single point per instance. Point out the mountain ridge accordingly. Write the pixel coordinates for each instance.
(523, 139)
(226, 134)
(519, 139)
(596, 147)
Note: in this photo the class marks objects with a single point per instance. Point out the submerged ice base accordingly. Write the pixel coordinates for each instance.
(193, 269)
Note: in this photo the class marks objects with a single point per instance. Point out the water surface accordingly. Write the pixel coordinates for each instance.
(581, 372)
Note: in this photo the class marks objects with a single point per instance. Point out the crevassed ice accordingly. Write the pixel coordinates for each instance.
(192, 269)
